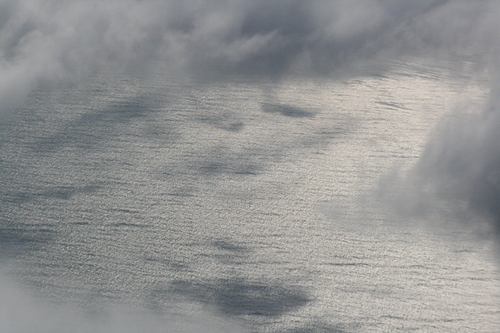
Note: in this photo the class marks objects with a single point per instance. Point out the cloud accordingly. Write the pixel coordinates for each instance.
(43, 40)
(22, 313)
(459, 166)
(51, 41)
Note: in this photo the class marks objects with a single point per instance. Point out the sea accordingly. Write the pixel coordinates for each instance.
(172, 203)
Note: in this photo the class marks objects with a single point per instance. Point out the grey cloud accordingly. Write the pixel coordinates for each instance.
(52, 40)
(458, 172)
(462, 164)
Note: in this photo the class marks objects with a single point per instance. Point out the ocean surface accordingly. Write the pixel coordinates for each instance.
(163, 203)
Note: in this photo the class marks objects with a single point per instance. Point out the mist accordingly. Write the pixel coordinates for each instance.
(458, 168)
(47, 44)
(20, 312)
(46, 41)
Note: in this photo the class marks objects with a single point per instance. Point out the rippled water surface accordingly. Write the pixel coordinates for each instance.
(238, 206)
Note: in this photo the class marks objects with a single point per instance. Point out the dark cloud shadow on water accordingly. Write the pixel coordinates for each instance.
(211, 167)
(221, 161)
(224, 122)
(18, 239)
(231, 253)
(287, 110)
(230, 246)
(17, 236)
(55, 192)
(238, 297)
(95, 126)
(319, 328)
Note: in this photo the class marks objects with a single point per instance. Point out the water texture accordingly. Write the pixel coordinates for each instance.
(168, 204)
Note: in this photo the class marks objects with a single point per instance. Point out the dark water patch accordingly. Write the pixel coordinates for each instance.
(393, 317)
(228, 165)
(19, 197)
(181, 194)
(123, 210)
(238, 297)
(322, 328)
(213, 167)
(13, 236)
(221, 160)
(94, 126)
(81, 223)
(119, 112)
(229, 253)
(245, 173)
(226, 121)
(128, 225)
(227, 246)
(63, 193)
(465, 251)
(175, 265)
(246, 170)
(56, 192)
(345, 264)
(287, 110)
(234, 127)
(17, 240)
(392, 105)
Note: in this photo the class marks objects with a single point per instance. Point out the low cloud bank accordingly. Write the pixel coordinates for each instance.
(45, 41)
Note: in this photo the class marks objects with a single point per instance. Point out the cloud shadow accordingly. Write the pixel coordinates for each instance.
(237, 297)
(287, 110)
